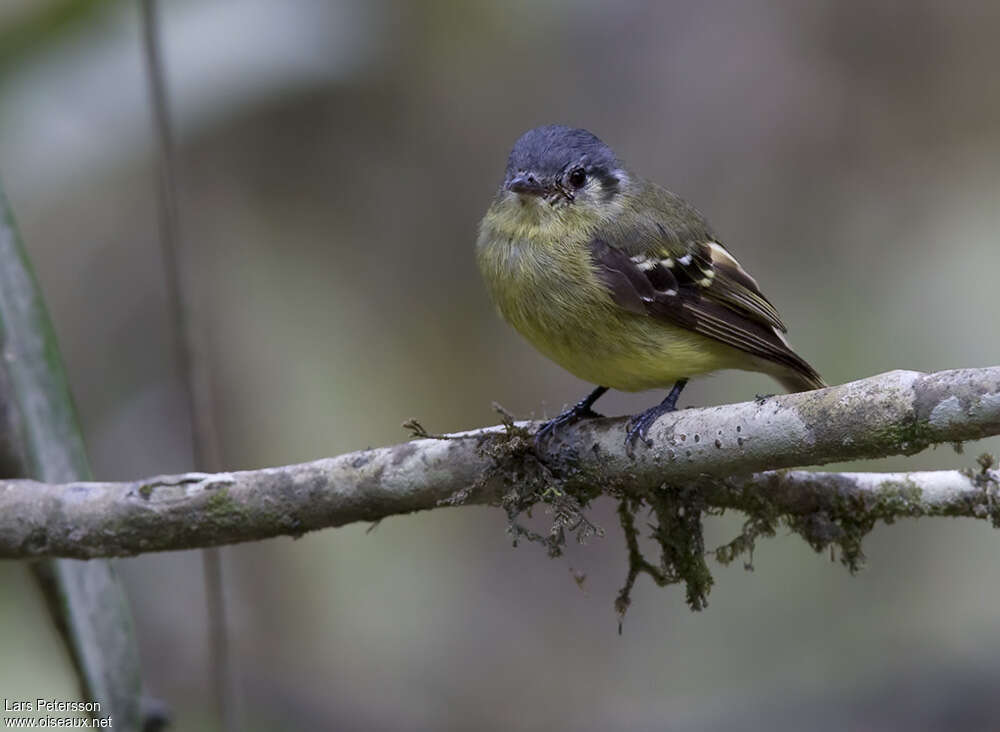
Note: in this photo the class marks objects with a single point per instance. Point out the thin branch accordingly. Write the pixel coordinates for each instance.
(190, 353)
(195, 378)
(900, 412)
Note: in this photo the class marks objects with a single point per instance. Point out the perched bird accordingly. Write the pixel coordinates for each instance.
(620, 281)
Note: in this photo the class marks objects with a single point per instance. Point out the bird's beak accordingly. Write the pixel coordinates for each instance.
(527, 184)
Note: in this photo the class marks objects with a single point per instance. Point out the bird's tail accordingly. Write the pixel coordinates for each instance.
(802, 377)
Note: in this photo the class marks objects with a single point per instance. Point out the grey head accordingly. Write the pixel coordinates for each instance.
(557, 163)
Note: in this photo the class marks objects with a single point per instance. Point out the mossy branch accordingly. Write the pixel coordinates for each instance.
(697, 457)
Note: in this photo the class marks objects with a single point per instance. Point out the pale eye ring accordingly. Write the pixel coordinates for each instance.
(577, 177)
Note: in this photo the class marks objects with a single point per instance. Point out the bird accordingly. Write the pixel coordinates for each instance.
(621, 282)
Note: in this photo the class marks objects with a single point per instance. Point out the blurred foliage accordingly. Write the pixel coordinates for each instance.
(47, 22)
(86, 601)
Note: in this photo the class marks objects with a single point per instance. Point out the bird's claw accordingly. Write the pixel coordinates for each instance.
(570, 416)
(638, 427)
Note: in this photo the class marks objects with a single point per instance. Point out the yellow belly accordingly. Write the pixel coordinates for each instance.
(628, 354)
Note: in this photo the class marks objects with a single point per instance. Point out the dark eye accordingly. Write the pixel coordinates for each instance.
(577, 177)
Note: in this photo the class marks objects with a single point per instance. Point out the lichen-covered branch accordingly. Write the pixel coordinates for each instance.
(729, 453)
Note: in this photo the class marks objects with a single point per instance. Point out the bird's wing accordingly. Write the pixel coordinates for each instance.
(670, 267)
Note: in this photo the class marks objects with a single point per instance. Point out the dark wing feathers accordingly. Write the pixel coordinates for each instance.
(681, 275)
(733, 285)
(707, 265)
(637, 291)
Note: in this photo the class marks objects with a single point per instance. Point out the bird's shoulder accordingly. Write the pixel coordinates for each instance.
(655, 220)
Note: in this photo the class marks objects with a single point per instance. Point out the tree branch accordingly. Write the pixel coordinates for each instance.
(901, 412)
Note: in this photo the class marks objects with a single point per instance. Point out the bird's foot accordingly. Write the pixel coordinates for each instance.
(639, 425)
(580, 410)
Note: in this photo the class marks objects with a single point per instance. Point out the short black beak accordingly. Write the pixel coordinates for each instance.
(528, 184)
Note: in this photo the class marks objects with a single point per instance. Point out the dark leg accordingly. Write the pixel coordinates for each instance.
(639, 425)
(580, 410)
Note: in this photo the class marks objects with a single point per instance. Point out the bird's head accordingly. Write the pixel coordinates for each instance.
(561, 173)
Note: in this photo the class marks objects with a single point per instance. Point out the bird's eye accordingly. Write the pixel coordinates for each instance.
(577, 177)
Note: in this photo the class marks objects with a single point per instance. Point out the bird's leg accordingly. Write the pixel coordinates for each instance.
(639, 425)
(580, 410)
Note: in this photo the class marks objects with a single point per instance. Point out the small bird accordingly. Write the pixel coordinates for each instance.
(620, 281)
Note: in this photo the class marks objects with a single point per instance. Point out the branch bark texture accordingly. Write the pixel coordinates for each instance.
(730, 453)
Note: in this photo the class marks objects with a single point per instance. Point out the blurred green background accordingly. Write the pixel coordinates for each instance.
(335, 158)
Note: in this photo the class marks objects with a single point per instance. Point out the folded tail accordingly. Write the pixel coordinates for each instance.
(800, 377)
